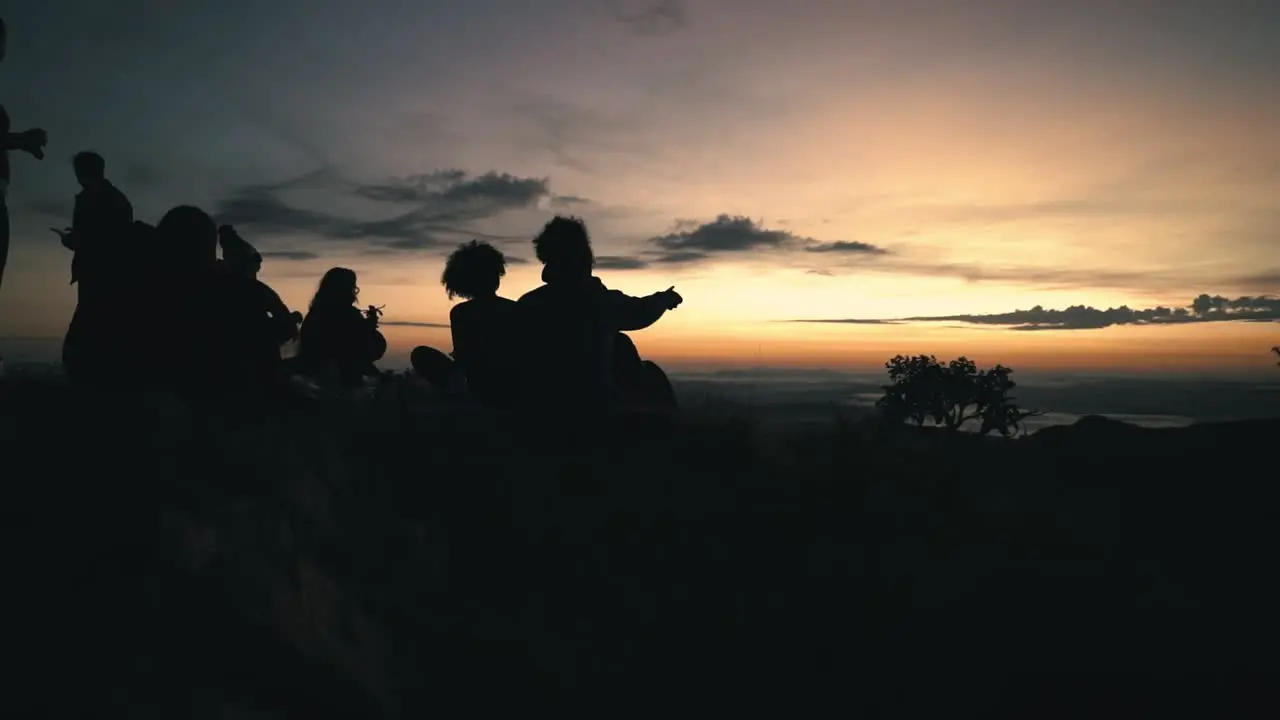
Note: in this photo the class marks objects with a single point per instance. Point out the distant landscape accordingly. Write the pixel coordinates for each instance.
(782, 397)
(800, 396)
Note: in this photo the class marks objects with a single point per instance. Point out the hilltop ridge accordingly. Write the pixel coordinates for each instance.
(333, 563)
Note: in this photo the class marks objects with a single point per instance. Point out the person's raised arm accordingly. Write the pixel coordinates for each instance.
(629, 313)
(31, 141)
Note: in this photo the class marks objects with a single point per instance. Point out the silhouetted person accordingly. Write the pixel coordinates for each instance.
(100, 238)
(243, 260)
(100, 221)
(212, 325)
(337, 341)
(574, 321)
(482, 327)
(31, 141)
(642, 382)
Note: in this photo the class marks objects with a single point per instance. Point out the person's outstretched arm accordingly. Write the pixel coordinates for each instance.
(31, 141)
(637, 313)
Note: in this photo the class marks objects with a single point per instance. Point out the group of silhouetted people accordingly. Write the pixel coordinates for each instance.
(157, 307)
(561, 345)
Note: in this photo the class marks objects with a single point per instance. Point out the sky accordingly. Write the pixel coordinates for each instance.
(1087, 185)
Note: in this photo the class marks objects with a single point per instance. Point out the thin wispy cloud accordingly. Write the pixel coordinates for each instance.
(650, 17)
(620, 262)
(851, 247)
(1045, 278)
(1204, 309)
(295, 255)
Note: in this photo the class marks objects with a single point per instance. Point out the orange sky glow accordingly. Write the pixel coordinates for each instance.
(1029, 154)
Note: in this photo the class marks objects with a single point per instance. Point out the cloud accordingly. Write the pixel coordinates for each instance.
(846, 246)
(439, 204)
(1051, 278)
(1205, 308)
(450, 196)
(620, 262)
(1014, 212)
(849, 321)
(298, 255)
(1269, 279)
(691, 242)
(724, 234)
(1056, 278)
(412, 323)
(676, 258)
(654, 18)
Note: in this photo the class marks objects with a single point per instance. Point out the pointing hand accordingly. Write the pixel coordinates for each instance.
(673, 298)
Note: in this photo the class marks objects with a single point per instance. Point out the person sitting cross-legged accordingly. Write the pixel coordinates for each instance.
(482, 326)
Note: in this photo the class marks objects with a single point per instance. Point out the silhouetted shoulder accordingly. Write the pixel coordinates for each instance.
(534, 295)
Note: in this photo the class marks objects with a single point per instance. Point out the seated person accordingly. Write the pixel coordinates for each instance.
(482, 327)
(338, 342)
(575, 320)
(641, 383)
(243, 260)
(209, 319)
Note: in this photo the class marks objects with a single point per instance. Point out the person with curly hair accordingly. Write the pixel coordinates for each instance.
(587, 360)
(482, 327)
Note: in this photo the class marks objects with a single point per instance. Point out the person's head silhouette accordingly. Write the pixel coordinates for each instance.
(90, 167)
(337, 288)
(564, 248)
(241, 257)
(189, 238)
(474, 270)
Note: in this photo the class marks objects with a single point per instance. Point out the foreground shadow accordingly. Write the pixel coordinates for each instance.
(319, 563)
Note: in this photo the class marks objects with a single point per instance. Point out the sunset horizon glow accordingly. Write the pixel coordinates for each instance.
(774, 162)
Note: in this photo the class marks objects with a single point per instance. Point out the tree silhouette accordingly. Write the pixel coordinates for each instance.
(951, 394)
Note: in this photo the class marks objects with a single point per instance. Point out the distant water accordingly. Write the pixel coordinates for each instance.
(782, 397)
(866, 401)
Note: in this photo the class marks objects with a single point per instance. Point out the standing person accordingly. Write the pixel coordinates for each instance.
(100, 236)
(101, 222)
(31, 141)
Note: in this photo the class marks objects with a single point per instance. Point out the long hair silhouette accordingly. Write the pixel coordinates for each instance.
(337, 289)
